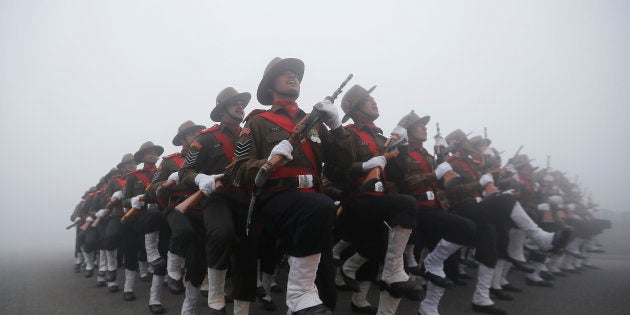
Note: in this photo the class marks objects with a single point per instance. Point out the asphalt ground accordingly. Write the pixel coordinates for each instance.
(43, 282)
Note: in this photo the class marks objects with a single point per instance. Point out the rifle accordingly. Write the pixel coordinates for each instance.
(305, 124)
(75, 223)
(195, 198)
(438, 149)
(390, 152)
(108, 206)
(85, 225)
(130, 212)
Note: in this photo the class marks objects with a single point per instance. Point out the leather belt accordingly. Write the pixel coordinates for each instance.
(299, 181)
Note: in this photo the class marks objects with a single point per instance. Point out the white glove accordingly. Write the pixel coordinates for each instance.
(331, 114)
(117, 196)
(136, 202)
(441, 169)
(544, 207)
(571, 207)
(89, 219)
(556, 200)
(377, 161)
(174, 177)
(510, 169)
(102, 213)
(400, 132)
(206, 182)
(283, 148)
(486, 179)
(440, 142)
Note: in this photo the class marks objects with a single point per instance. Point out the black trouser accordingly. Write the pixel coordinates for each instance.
(132, 242)
(102, 232)
(113, 232)
(366, 216)
(485, 236)
(182, 232)
(435, 224)
(303, 219)
(225, 218)
(195, 254)
(91, 239)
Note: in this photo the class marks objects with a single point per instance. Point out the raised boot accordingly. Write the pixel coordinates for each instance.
(434, 263)
(349, 271)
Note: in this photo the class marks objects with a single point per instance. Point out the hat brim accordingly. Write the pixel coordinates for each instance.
(177, 139)
(420, 121)
(138, 155)
(293, 64)
(119, 165)
(215, 114)
(357, 102)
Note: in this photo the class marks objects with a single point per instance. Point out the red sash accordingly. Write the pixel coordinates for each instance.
(120, 181)
(226, 143)
(466, 167)
(288, 125)
(423, 163)
(143, 178)
(366, 138)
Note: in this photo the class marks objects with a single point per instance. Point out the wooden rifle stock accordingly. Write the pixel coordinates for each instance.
(391, 152)
(85, 225)
(96, 221)
(130, 212)
(194, 199)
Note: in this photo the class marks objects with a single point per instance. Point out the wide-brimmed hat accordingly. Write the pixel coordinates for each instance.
(411, 119)
(520, 160)
(458, 139)
(146, 147)
(479, 141)
(354, 97)
(227, 97)
(185, 128)
(126, 158)
(276, 66)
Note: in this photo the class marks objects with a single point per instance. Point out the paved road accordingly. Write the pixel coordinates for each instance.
(45, 284)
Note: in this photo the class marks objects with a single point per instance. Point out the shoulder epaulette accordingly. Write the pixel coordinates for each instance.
(211, 129)
(253, 113)
(170, 156)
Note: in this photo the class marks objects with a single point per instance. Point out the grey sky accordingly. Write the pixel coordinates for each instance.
(83, 82)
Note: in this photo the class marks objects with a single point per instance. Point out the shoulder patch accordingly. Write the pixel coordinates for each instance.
(245, 131)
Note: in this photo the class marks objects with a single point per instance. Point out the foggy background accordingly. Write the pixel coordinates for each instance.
(84, 82)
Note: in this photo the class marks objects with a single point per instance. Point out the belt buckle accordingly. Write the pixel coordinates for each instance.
(305, 181)
(430, 195)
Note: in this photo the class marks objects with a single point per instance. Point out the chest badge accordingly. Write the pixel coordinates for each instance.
(314, 136)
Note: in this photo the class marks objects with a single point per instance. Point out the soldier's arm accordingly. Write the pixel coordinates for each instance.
(339, 155)
(129, 191)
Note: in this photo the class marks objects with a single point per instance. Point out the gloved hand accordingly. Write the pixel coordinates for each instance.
(89, 219)
(330, 114)
(117, 196)
(377, 161)
(101, 213)
(400, 132)
(544, 207)
(510, 169)
(136, 202)
(174, 177)
(206, 183)
(556, 200)
(440, 142)
(486, 179)
(441, 169)
(283, 148)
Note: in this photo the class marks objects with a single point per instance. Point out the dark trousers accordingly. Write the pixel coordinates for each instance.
(485, 236)
(366, 216)
(132, 241)
(195, 254)
(225, 217)
(113, 233)
(435, 224)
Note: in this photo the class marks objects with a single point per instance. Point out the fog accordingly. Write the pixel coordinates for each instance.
(84, 82)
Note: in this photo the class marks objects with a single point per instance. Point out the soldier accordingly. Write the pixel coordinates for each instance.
(137, 183)
(165, 191)
(443, 233)
(113, 231)
(380, 222)
(290, 204)
(220, 226)
(90, 234)
(77, 220)
(100, 225)
(464, 187)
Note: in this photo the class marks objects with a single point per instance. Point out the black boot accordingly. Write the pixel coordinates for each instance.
(501, 295)
(110, 276)
(319, 309)
(156, 309)
(445, 283)
(488, 309)
(175, 286)
(409, 289)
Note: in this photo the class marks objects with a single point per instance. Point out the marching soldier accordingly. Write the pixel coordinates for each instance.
(291, 205)
(220, 227)
(443, 233)
(381, 222)
(165, 191)
(133, 240)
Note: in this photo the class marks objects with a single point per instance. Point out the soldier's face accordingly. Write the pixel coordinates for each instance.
(150, 157)
(189, 138)
(129, 166)
(287, 84)
(236, 110)
(369, 108)
(526, 171)
(418, 132)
